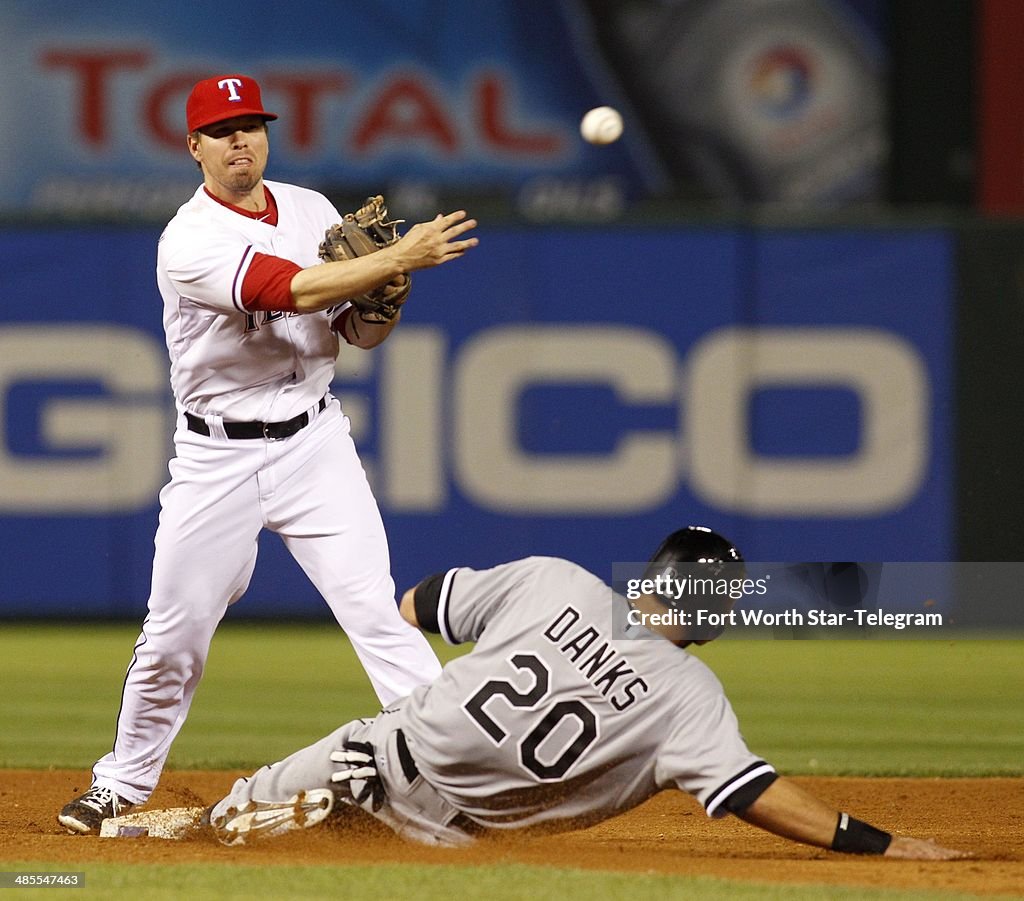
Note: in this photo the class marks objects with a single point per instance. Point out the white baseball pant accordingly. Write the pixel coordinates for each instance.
(311, 489)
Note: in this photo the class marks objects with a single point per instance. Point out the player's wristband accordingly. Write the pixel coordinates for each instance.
(855, 837)
(426, 596)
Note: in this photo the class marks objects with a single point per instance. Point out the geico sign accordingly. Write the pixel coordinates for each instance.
(123, 431)
(454, 418)
(713, 387)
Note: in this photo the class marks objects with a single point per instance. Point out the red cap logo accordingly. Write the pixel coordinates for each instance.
(224, 97)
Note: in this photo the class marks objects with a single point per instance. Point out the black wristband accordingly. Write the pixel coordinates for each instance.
(855, 837)
(425, 598)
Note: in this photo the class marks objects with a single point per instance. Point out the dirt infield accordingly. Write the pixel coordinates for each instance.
(669, 834)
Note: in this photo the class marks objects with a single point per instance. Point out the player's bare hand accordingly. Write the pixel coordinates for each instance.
(904, 847)
(438, 241)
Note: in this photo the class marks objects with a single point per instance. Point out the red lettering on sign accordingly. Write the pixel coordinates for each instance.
(93, 70)
(405, 109)
(303, 91)
(492, 112)
(169, 128)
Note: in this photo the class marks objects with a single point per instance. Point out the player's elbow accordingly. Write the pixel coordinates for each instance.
(407, 608)
(309, 292)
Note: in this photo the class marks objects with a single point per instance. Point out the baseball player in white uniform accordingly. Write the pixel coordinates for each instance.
(253, 322)
(551, 722)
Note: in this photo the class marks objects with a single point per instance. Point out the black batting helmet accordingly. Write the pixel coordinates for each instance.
(694, 556)
(694, 544)
(698, 550)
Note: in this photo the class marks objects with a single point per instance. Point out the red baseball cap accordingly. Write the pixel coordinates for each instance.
(224, 97)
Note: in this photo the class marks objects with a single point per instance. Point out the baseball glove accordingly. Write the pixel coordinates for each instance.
(366, 231)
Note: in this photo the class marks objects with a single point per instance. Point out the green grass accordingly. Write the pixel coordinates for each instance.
(497, 883)
(916, 708)
(267, 691)
(879, 708)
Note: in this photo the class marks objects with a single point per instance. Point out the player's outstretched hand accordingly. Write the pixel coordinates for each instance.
(432, 243)
(904, 847)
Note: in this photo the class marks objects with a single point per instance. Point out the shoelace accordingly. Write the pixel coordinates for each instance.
(99, 798)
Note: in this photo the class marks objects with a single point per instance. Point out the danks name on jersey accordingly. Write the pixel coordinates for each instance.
(593, 655)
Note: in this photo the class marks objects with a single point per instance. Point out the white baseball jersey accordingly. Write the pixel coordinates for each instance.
(260, 366)
(231, 366)
(549, 719)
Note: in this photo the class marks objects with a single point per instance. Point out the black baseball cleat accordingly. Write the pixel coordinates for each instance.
(86, 814)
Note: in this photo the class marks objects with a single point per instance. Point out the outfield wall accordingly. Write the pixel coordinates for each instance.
(558, 391)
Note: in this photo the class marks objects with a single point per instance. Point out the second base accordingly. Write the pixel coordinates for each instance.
(171, 823)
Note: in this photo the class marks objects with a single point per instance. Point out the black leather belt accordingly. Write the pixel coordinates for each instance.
(272, 431)
(412, 772)
(409, 768)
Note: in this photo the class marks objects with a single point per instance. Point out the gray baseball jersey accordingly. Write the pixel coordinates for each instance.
(550, 720)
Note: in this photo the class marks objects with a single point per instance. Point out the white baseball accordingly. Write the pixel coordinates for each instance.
(601, 125)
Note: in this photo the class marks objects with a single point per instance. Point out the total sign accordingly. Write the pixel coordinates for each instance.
(566, 392)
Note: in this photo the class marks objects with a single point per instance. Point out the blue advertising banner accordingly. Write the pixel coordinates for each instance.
(782, 101)
(476, 94)
(570, 392)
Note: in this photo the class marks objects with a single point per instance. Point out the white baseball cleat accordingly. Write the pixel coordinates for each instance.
(254, 820)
